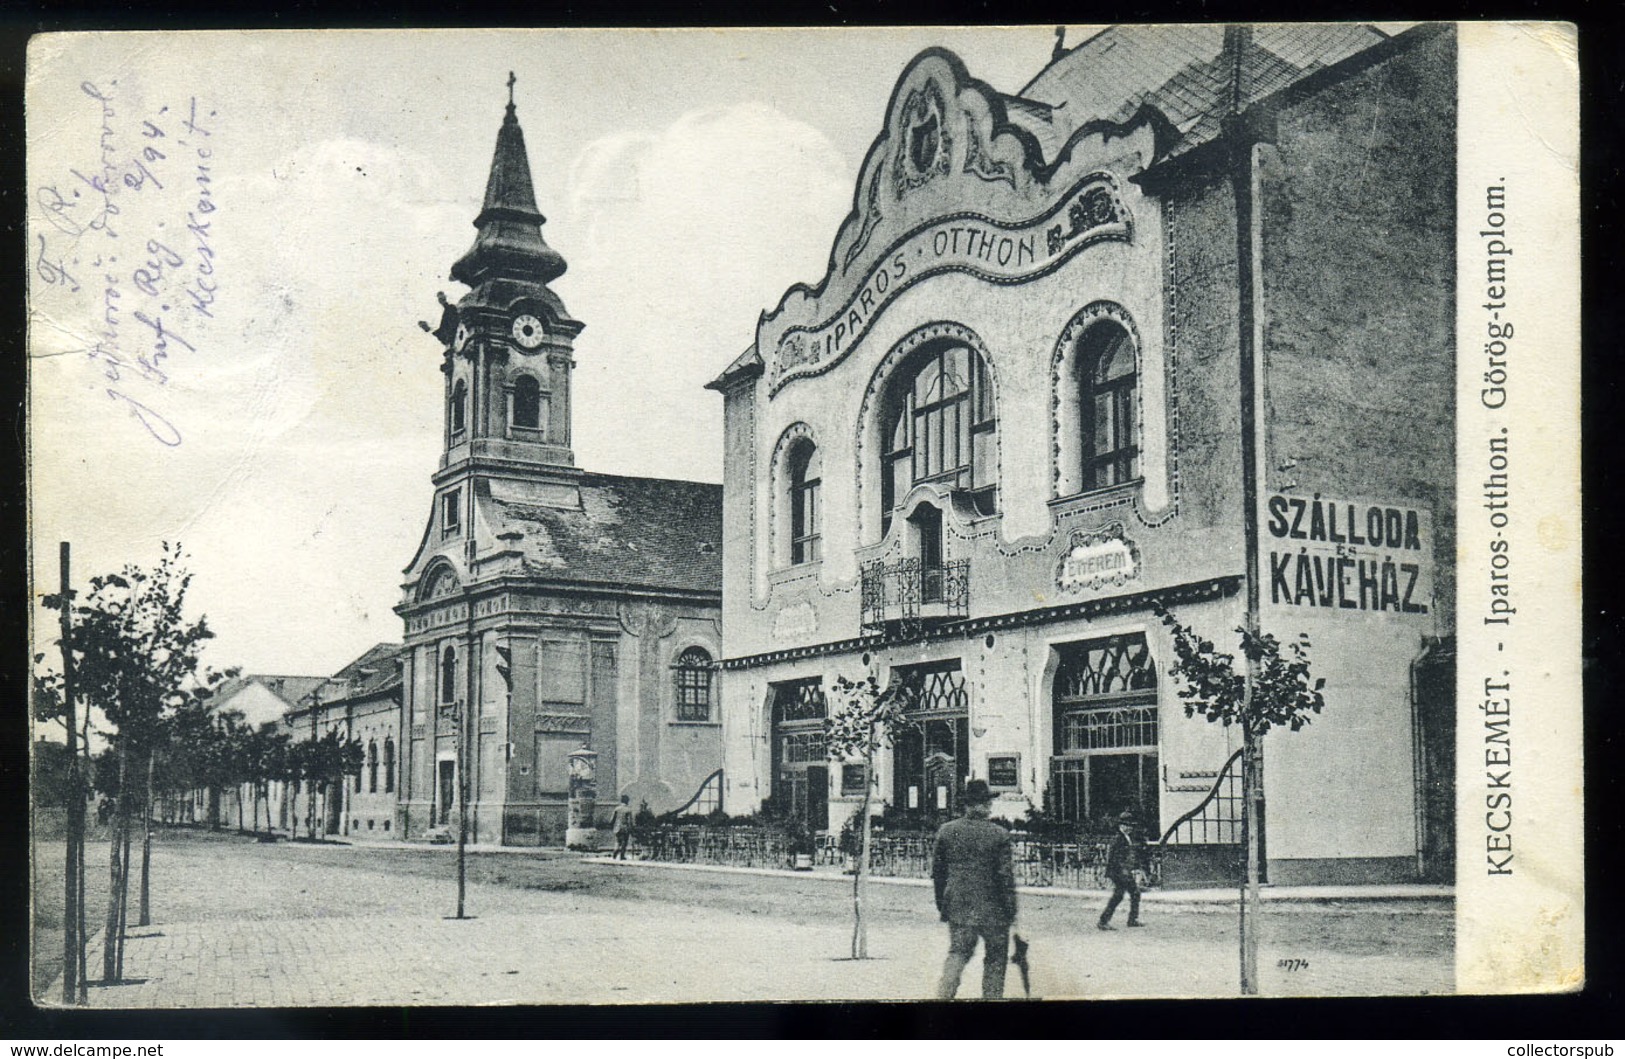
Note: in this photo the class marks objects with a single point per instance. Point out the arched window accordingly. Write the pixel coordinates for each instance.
(527, 403)
(372, 766)
(389, 764)
(940, 427)
(448, 675)
(459, 407)
(693, 675)
(805, 480)
(1106, 398)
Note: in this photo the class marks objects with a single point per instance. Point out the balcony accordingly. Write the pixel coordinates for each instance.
(906, 596)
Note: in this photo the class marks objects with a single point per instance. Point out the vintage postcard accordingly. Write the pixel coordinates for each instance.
(873, 514)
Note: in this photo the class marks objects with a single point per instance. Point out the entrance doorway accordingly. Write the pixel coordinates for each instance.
(448, 790)
(931, 758)
(1105, 712)
(800, 763)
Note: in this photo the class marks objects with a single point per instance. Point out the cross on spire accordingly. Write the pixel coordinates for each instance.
(511, 80)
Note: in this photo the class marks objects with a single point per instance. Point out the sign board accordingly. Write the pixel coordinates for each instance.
(1355, 556)
(1102, 559)
(990, 249)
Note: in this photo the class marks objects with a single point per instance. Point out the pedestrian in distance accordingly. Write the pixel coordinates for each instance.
(620, 823)
(1123, 861)
(976, 892)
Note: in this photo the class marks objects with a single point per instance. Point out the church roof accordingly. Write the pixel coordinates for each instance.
(653, 533)
(510, 226)
(1185, 73)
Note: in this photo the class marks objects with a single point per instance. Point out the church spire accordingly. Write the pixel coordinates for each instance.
(509, 244)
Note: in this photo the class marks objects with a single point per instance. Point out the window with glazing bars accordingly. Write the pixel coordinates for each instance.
(941, 427)
(937, 686)
(693, 676)
(805, 542)
(1106, 696)
(799, 700)
(1107, 391)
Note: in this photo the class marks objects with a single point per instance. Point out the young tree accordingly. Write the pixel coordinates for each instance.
(134, 652)
(867, 719)
(1275, 688)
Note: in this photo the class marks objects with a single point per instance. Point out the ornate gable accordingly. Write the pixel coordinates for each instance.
(953, 183)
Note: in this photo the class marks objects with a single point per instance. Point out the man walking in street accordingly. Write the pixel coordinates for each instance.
(1122, 861)
(620, 822)
(976, 892)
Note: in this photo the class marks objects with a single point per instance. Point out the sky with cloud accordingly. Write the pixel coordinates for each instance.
(689, 178)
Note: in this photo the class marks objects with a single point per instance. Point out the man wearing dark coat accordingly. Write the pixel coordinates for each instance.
(1122, 858)
(976, 892)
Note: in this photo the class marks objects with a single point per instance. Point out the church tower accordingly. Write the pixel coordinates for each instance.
(509, 340)
(544, 599)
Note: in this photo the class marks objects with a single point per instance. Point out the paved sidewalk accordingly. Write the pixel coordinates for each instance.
(1206, 896)
(248, 925)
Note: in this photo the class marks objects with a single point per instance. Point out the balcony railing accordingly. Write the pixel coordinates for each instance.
(907, 595)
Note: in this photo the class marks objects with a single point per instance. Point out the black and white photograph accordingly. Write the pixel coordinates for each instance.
(559, 517)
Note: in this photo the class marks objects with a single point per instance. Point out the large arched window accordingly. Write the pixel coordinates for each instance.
(1107, 406)
(693, 676)
(940, 427)
(527, 403)
(448, 675)
(372, 766)
(459, 407)
(389, 764)
(805, 487)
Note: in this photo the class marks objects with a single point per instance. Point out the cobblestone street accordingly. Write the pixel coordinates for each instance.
(238, 923)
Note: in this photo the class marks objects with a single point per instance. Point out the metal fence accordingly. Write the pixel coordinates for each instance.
(1076, 865)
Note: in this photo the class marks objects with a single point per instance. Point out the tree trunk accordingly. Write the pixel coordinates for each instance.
(860, 876)
(145, 916)
(1249, 841)
(310, 809)
(123, 901)
(110, 931)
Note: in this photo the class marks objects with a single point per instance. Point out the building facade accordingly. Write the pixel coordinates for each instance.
(548, 608)
(361, 702)
(1186, 298)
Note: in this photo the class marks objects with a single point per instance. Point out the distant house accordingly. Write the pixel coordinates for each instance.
(261, 698)
(361, 702)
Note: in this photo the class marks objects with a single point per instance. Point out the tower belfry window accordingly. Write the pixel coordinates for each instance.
(528, 403)
(459, 408)
(451, 513)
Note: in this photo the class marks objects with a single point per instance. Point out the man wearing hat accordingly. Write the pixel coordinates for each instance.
(1122, 858)
(976, 892)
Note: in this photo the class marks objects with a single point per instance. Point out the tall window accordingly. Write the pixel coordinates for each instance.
(372, 766)
(448, 675)
(459, 407)
(451, 512)
(940, 427)
(527, 403)
(389, 764)
(693, 676)
(805, 541)
(1106, 390)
